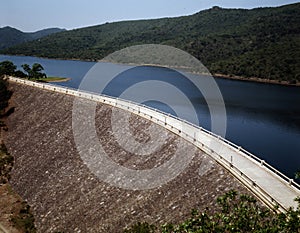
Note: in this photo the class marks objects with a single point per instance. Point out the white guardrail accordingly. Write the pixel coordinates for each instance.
(184, 129)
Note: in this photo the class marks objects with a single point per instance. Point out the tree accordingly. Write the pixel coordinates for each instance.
(5, 95)
(141, 228)
(20, 74)
(37, 68)
(235, 213)
(35, 72)
(8, 68)
(297, 175)
(27, 69)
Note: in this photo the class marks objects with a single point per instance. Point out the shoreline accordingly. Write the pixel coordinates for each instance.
(216, 75)
(256, 80)
(60, 80)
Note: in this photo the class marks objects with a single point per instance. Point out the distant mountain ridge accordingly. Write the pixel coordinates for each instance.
(11, 36)
(261, 42)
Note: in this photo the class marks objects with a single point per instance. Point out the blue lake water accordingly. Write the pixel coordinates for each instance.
(262, 118)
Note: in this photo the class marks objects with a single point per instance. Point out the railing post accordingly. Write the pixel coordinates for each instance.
(262, 162)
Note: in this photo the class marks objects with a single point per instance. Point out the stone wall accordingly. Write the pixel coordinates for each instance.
(65, 196)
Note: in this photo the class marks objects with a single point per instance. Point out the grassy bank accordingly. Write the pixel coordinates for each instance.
(52, 79)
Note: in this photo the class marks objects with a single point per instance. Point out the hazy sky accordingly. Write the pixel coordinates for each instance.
(32, 15)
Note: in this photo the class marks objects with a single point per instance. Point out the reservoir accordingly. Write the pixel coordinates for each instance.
(262, 118)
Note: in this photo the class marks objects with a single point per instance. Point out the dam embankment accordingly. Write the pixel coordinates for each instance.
(66, 196)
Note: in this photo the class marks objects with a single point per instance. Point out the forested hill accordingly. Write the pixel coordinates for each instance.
(262, 42)
(10, 36)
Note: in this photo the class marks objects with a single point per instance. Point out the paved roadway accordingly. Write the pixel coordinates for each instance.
(271, 183)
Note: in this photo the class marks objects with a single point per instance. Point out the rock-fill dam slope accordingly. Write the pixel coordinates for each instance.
(65, 196)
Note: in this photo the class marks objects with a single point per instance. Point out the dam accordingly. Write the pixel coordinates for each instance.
(66, 196)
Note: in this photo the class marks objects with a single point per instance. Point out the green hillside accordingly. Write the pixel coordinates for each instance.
(262, 42)
(10, 36)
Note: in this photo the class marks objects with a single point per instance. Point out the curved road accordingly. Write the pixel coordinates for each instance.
(271, 188)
